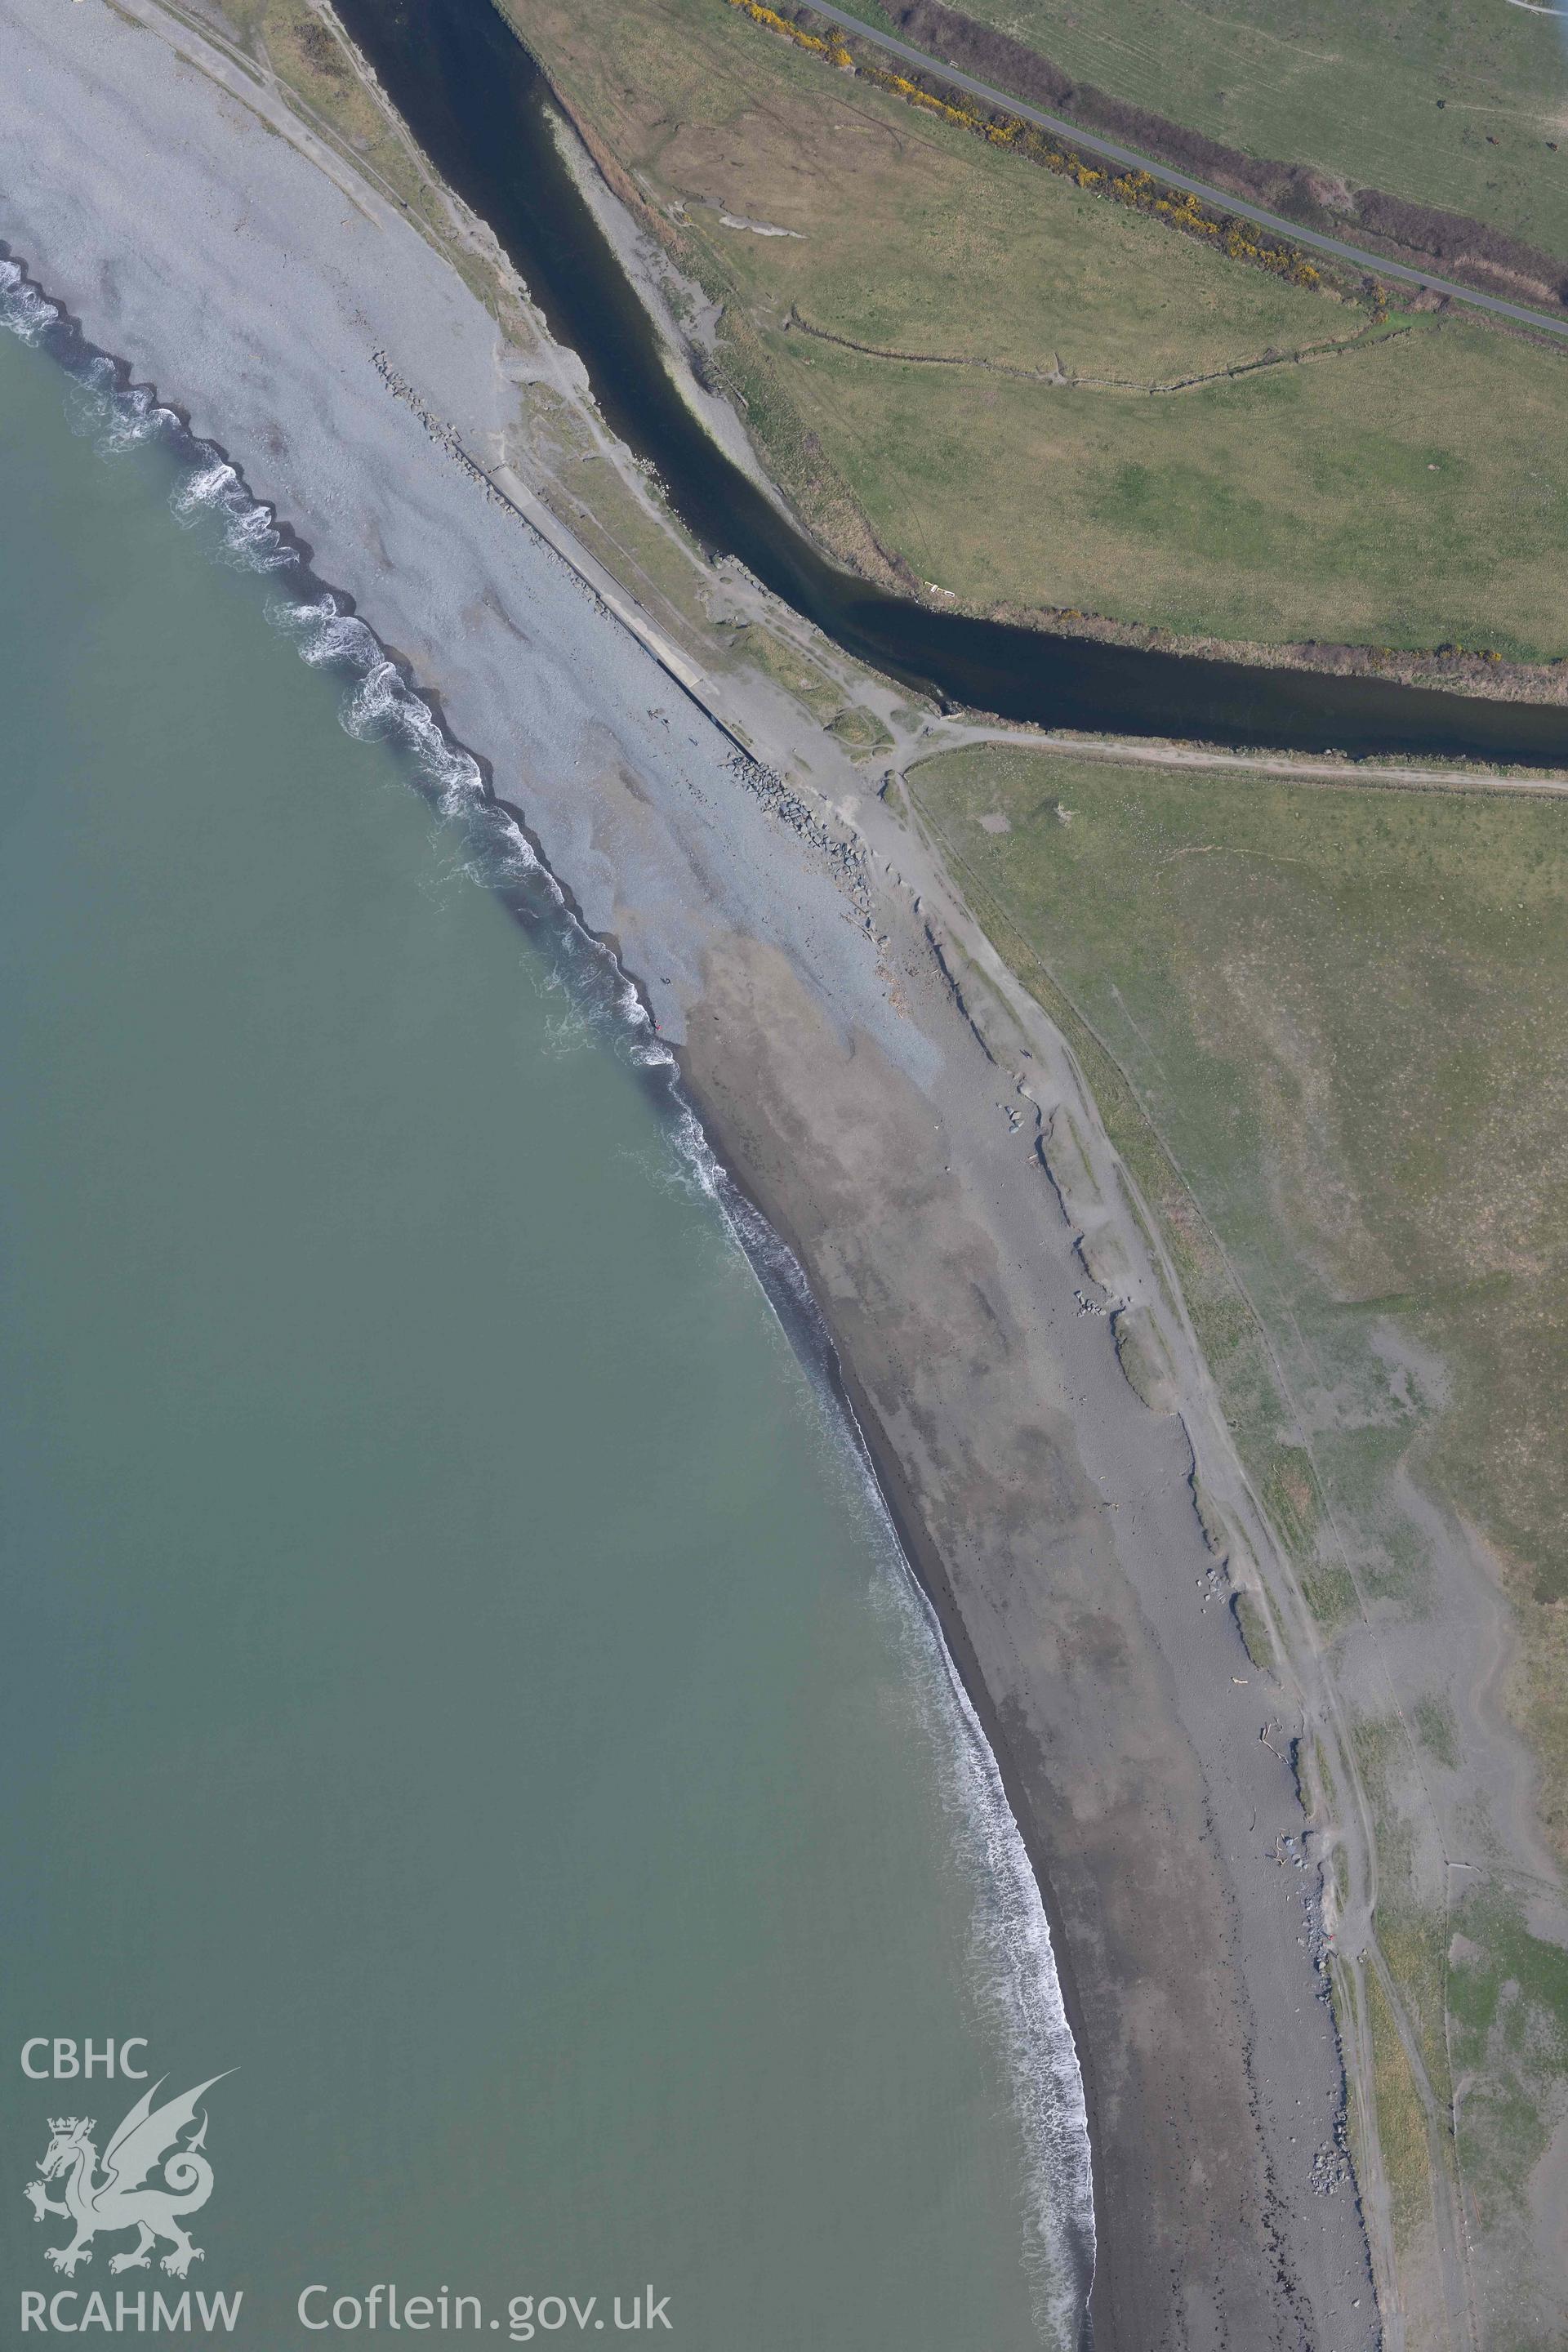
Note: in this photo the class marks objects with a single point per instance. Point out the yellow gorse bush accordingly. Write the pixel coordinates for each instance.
(1137, 188)
(833, 48)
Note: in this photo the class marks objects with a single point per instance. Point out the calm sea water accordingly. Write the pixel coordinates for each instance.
(455, 1675)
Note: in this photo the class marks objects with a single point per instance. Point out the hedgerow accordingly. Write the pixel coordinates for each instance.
(1139, 190)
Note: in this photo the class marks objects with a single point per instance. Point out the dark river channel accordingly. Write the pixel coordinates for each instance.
(475, 99)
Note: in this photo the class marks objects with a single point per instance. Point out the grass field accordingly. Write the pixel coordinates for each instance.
(1407, 491)
(1401, 2131)
(1351, 88)
(1327, 1029)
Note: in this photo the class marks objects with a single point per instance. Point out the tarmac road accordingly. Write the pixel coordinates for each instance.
(1338, 247)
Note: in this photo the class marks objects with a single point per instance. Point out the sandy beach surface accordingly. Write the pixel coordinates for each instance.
(199, 231)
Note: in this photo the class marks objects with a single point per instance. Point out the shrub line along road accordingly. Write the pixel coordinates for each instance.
(1339, 247)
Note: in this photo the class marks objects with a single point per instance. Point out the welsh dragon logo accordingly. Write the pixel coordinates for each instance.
(124, 2197)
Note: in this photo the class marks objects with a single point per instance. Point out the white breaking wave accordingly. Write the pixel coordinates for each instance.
(1016, 1964)
(383, 707)
(24, 312)
(1015, 1960)
(113, 415)
(250, 537)
(101, 408)
(1016, 1970)
(1019, 1982)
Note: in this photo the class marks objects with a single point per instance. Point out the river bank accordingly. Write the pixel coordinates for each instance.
(686, 323)
(254, 279)
(475, 98)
